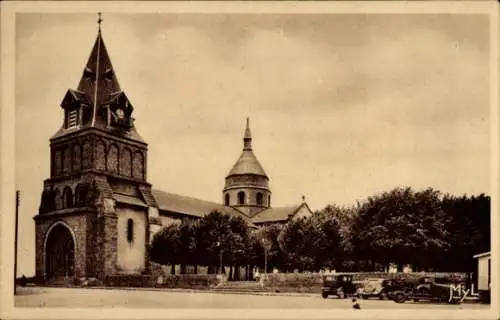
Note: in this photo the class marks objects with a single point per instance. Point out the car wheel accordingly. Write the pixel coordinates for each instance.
(324, 295)
(382, 296)
(400, 297)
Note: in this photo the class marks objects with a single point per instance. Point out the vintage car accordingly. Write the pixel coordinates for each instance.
(428, 289)
(392, 286)
(340, 285)
(373, 288)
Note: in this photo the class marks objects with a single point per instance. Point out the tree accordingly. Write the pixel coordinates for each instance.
(401, 226)
(213, 237)
(186, 243)
(237, 250)
(469, 230)
(266, 238)
(296, 241)
(166, 245)
(327, 243)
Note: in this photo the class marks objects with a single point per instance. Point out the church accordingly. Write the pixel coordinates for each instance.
(98, 212)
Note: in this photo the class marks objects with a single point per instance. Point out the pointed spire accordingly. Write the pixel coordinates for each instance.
(247, 163)
(99, 21)
(247, 137)
(98, 80)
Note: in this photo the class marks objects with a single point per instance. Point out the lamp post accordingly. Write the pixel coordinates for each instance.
(18, 193)
(266, 245)
(265, 260)
(220, 261)
(219, 245)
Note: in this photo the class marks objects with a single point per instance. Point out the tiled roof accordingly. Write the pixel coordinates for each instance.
(192, 206)
(79, 96)
(102, 185)
(98, 86)
(277, 214)
(98, 71)
(122, 198)
(147, 195)
(247, 164)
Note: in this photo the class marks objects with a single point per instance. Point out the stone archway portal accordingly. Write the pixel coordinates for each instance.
(59, 253)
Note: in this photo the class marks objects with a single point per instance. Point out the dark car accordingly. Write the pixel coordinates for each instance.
(428, 289)
(392, 286)
(340, 285)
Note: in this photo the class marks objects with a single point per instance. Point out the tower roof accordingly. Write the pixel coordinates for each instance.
(99, 82)
(247, 163)
(98, 89)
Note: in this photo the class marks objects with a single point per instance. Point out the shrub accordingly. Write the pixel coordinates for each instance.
(129, 280)
(189, 281)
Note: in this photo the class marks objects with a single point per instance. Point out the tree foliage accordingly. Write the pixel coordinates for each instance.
(421, 228)
(390, 225)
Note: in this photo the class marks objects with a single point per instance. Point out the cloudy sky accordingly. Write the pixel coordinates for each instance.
(342, 106)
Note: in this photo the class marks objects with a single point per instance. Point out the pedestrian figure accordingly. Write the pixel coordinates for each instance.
(355, 304)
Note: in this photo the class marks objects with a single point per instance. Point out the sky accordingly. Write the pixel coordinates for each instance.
(341, 106)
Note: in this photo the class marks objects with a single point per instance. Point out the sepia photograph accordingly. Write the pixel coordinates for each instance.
(285, 158)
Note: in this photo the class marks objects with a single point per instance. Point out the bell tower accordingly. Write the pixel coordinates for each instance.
(97, 193)
(247, 184)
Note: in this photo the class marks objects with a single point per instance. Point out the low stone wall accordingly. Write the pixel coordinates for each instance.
(163, 279)
(188, 281)
(292, 282)
(138, 281)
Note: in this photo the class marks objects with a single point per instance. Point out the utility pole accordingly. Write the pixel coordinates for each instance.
(15, 240)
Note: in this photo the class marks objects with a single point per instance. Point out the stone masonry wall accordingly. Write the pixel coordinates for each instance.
(78, 226)
(110, 243)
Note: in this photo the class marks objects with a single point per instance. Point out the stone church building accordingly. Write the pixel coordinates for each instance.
(98, 212)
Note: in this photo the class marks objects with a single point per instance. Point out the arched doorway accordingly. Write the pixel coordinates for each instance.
(59, 252)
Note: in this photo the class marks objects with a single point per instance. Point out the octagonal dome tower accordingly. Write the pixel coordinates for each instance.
(247, 184)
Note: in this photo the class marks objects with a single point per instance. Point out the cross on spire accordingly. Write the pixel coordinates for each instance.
(99, 20)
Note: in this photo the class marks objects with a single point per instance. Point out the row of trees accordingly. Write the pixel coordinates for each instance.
(422, 228)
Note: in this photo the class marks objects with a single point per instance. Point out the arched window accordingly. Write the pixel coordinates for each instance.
(86, 155)
(260, 198)
(126, 163)
(112, 159)
(57, 162)
(58, 204)
(100, 155)
(130, 230)
(68, 198)
(81, 191)
(269, 201)
(76, 157)
(66, 160)
(138, 166)
(226, 200)
(241, 197)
